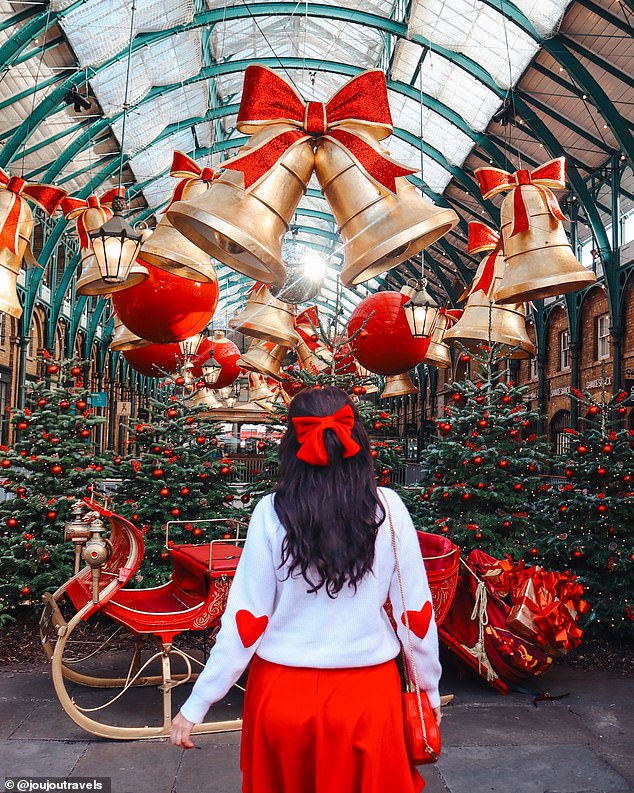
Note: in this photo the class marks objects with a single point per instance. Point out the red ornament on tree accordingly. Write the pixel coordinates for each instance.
(201, 440)
(85, 433)
(52, 368)
(607, 448)
(180, 381)
(224, 470)
(261, 446)
(165, 307)
(157, 472)
(164, 492)
(593, 410)
(582, 448)
(245, 498)
(184, 491)
(41, 402)
(64, 404)
(13, 523)
(6, 463)
(503, 463)
(75, 371)
(51, 514)
(116, 461)
(172, 413)
(81, 405)
(22, 425)
(385, 345)
(56, 470)
(175, 511)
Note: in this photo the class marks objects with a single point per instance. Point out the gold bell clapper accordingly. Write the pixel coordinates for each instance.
(16, 227)
(170, 250)
(258, 389)
(89, 216)
(267, 318)
(539, 260)
(485, 321)
(123, 339)
(264, 357)
(244, 226)
(379, 228)
(397, 385)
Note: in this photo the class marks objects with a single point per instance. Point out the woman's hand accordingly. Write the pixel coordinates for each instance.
(180, 732)
(438, 715)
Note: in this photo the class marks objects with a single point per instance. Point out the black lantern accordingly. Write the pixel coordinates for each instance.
(115, 245)
(421, 310)
(211, 370)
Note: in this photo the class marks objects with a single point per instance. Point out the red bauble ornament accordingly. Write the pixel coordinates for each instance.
(378, 425)
(41, 402)
(226, 354)
(6, 463)
(45, 558)
(13, 523)
(51, 514)
(582, 448)
(607, 448)
(385, 345)
(481, 485)
(514, 433)
(503, 463)
(85, 433)
(226, 536)
(602, 508)
(602, 471)
(202, 477)
(621, 410)
(563, 508)
(569, 472)
(245, 498)
(534, 551)
(75, 371)
(224, 470)
(81, 404)
(483, 423)
(518, 486)
(185, 491)
(165, 307)
(478, 535)
(466, 496)
(506, 399)
(456, 397)
(164, 492)
(465, 357)
(593, 410)
(175, 511)
(577, 553)
(156, 449)
(152, 359)
(507, 524)
(359, 390)
(261, 446)
(445, 495)
(228, 498)
(117, 461)
(23, 425)
(444, 529)
(26, 590)
(20, 492)
(627, 478)
(197, 531)
(201, 440)
(157, 472)
(374, 453)
(180, 380)
(479, 399)
(172, 413)
(477, 460)
(52, 368)
(190, 420)
(64, 404)
(56, 470)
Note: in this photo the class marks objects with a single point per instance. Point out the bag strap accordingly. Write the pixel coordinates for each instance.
(409, 681)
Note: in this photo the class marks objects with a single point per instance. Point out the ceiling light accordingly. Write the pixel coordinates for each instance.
(115, 245)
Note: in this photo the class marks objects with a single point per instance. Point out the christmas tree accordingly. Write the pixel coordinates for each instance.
(51, 463)
(482, 477)
(590, 517)
(178, 474)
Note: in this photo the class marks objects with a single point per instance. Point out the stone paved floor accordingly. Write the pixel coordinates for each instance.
(582, 743)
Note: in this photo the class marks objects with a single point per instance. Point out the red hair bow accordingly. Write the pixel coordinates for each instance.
(548, 177)
(360, 106)
(310, 434)
(45, 196)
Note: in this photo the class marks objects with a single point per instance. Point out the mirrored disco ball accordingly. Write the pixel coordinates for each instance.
(304, 273)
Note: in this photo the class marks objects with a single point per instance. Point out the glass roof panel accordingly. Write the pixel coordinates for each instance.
(544, 14)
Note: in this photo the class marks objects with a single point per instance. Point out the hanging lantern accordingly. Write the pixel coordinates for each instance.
(483, 320)
(384, 344)
(539, 260)
(421, 310)
(165, 307)
(211, 369)
(225, 354)
(116, 245)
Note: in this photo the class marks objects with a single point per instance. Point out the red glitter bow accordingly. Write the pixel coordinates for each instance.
(483, 238)
(361, 106)
(76, 208)
(305, 323)
(549, 176)
(189, 172)
(452, 315)
(45, 196)
(310, 434)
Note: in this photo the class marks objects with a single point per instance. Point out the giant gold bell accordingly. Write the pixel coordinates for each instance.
(258, 389)
(398, 385)
(379, 230)
(170, 250)
(539, 261)
(10, 262)
(245, 229)
(203, 400)
(265, 317)
(264, 357)
(123, 339)
(485, 322)
(438, 353)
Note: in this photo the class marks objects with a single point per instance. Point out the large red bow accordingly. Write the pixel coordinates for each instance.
(76, 208)
(548, 177)
(360, 106)
(45, 196)
(483, 238)
(310, 434)
(189, 172)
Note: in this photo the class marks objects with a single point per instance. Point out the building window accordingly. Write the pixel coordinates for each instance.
(560, 438)
(603, 337)
(532, 368)
(564, 350)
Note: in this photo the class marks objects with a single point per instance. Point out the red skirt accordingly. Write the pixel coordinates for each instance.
(324, 731)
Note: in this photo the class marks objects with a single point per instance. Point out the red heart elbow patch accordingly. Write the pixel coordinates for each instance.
(419, 620)
(250, 627)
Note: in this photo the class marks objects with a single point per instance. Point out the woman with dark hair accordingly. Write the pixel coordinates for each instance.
(322, 711)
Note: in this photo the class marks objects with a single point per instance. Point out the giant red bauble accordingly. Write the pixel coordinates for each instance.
(165, 307)
(385, 345)
(226, 354)
(151, 359)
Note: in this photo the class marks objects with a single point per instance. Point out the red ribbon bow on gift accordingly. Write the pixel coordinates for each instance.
(483, 238)
(45, 196)
(76, 208)
(189, 172)
(310, 434)
(548, 177)
(360, 106)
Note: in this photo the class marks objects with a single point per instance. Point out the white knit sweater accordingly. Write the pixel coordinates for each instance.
(277, 618)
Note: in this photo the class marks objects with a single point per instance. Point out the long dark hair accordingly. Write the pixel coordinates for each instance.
(330, 513)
